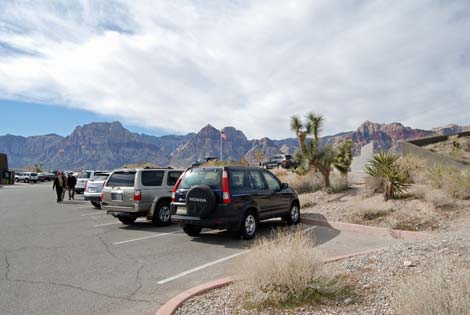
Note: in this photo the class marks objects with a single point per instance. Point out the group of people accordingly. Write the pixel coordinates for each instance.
(63, 183)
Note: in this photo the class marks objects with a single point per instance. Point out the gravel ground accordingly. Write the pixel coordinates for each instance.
(376, 277)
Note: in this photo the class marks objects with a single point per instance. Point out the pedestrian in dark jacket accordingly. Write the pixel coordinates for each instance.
(59, 185)
(71, 183)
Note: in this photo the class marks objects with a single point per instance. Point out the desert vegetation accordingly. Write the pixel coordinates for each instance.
(285, 270)
(455, 147)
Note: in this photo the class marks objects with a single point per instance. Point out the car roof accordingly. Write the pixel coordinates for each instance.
(145, 169)
(231, 167)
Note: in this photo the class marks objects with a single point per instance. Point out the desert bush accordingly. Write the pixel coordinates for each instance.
(441, 290)
(307, 183)
(370, 209)
(339, 183)
(439, 199)
(413, 166)
(284, 270)
(373, 184)
(456, 183)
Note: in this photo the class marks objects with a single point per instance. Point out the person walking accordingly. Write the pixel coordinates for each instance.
(59, 185)
(71, 183)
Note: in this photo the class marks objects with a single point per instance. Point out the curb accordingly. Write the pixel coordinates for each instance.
(372, 230)
(170, 307)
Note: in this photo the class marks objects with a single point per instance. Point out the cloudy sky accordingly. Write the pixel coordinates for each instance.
(174, 66)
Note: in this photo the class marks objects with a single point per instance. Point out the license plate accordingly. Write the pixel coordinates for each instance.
(92, 189)
(117, 197)
(182, 210)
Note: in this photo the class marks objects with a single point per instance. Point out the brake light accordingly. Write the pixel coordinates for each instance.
(173, 191)
(102, 196)
(225, 188)
(137, 195)
(86, 185)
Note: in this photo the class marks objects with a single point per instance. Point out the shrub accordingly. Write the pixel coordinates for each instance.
(456, 183)
(285, 270)
(370, 209)
(438, 291)
(412, 166)
(339, 183)
(395, 180)
(310, 182)
(439, 198)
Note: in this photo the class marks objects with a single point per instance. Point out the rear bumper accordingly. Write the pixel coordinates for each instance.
(215, 221)
(92, 197)
(79, 190)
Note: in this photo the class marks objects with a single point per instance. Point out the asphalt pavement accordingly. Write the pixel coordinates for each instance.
(71, 258)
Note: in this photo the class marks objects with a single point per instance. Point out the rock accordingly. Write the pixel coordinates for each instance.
(409, 263)
(348, 301)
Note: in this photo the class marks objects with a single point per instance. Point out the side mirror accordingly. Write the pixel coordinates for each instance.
(284, 185)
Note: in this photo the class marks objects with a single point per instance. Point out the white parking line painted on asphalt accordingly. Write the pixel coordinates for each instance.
(146, 237)
(187, 272)
(213, 263)
(87, 214)
(106, 224)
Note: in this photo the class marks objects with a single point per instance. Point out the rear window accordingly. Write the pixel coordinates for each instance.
(34, 174)
(121, 179)
(152, 178)
(211, 178)
(85, 175)
(101, 177)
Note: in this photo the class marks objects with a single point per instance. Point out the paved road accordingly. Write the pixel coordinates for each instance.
(72, 259)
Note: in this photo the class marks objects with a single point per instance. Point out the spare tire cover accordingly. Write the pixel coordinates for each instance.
(200, 201)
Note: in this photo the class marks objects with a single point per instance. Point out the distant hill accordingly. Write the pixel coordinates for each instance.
(110, 145)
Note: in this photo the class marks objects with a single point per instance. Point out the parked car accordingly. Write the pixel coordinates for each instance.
(132, 193)
(42, 177)
(82, 179)
(26, 177)
(231, 197)
(94, 187)
(280, 160)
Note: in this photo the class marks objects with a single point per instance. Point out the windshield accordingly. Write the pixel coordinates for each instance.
(121, 179)
(211, 178)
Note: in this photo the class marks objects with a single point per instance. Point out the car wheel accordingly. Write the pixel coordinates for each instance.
(162, 214)
(265, 166)
(192, 230)
(248, 226)
(35, 181)
(279, 166)
(26, 180)
(294, 215)
(97, 205)
(127, 219)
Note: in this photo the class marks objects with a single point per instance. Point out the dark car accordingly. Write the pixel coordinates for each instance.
(231, 197)
(280, 160)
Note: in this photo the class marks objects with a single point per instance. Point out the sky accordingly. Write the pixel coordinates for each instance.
(164, 67)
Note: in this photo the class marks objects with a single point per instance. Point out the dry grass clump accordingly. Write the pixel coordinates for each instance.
(456, 183)
(307, 183)
(413, 166)
(339, 183)
(442, 290)
(370, 209)
(439, 199)
(373, 184)
(284, 270)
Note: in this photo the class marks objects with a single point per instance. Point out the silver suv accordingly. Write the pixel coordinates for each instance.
(26, 177)
(132, 193)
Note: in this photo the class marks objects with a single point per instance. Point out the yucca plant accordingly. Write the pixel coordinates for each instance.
(394, 179)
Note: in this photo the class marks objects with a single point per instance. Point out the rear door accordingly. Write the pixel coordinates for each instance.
(151, 185)
(120, 189)
(260, 193)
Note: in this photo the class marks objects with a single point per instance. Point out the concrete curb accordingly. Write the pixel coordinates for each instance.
(170, 307)
(371, 230)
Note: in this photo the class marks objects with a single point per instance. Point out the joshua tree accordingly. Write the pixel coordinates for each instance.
(315, 124)
(301, 132)
(321, 159)
(344, 158)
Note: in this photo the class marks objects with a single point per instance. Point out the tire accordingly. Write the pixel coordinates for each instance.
(249, 225)
(26, 180)
(293, 217)
(162, 214)
(35, 181)
(95, 204)
(279, 166)
(200, 201)
(127, 220)
(192, 230)
(265, 166)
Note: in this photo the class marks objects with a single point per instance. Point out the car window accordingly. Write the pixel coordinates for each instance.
(237, 180)
(273, 183)
(173, 178)
(34, 174)
(152, 178)
(256, 180)
(121, 179)
(210, 177)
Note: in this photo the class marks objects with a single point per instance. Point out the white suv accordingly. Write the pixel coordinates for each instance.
(26, 177)
(132, 193)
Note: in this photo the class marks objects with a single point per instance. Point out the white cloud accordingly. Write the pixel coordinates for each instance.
(179, 65)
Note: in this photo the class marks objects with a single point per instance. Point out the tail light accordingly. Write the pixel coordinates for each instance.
(225, 187)
(137, 195)
(173, 191)
(102, 196)
(86, 185)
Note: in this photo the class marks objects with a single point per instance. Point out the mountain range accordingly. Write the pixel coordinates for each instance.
(110, 145)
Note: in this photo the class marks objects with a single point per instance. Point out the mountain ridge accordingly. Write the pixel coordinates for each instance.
(108, 145)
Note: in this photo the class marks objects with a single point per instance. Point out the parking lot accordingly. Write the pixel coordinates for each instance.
(71, 258)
